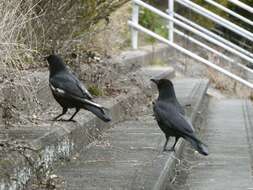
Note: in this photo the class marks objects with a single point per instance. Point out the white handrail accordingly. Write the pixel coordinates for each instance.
(242, 5)
(187, 27)
(203, 45)
(211, 34)
(187, 52)
(190, 27)
(225, 9)
(231, 26)
(212, 50)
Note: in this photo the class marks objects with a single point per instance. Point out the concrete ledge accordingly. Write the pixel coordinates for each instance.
(133, 59)
(156, 176)
(129, 156)
(168, 171)
(63, 139)
(59, 140)
(229, 164)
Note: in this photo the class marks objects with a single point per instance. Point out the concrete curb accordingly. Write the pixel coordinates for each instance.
(169, 169)
(162, 170)
(128, 61)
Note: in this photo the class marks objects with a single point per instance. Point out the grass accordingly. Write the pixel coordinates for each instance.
(30, 29)
(18, 48)
(95, 90)
(17, 37)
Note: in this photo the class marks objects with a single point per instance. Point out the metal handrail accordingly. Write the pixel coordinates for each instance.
(178, 32)
(137, 27)
(189, 53)
(225, 9)
(242, 5)
(191, 29)
(213, 35)
(215, 18)
(212, 50)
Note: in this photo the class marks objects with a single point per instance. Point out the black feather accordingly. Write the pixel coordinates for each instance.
(69, 92)
(170, 118)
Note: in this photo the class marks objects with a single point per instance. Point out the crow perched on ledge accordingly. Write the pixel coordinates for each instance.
(69, 92)
(169, 116)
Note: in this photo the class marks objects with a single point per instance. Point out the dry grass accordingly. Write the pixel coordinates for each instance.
(223, 82)
(31, 26)
(18, 49)
(220, 81)
(17, 36)
(30, 29)
(114, 36)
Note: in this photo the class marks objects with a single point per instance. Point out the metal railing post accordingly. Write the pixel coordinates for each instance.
(135, 19)
(171, 23)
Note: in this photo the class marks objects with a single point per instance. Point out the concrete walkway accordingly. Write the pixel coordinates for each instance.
(129, 156)
(228, 135)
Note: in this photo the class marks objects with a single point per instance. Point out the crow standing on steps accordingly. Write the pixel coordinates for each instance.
(69, 92)
(170, 119)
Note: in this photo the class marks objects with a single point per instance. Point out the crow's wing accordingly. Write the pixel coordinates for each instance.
(168, 115)
(178, 105)
(68, 84)
(82, 87)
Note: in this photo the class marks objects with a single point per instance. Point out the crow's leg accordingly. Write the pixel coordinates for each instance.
(71, 119)
(166, 142)
(64, 110)
(173, 147)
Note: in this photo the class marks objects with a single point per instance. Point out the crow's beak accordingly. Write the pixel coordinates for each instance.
(154, 81)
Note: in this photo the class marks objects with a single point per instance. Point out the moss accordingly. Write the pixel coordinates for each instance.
(5, 163)
(95, 90)
(251, 96)
(158, 62)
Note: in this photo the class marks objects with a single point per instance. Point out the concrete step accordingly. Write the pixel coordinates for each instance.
(56, 141)
(129, 155)
(228, 134)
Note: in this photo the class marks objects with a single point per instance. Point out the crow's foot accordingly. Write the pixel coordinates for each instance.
(169, 150)
(64, 120)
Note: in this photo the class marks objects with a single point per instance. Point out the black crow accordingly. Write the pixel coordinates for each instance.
(69, 92)
(169, 116)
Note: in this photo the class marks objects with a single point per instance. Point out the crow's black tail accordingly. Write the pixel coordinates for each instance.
(93, 107)
(98, 110)
(197, 145)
